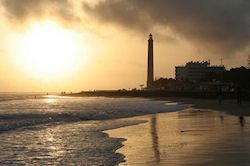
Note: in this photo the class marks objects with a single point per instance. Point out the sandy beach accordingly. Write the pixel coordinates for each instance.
(204, 134)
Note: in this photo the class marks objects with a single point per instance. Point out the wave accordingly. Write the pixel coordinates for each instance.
(20, 96)
(25, 111)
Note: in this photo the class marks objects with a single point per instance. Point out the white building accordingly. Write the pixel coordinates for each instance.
(194, 71)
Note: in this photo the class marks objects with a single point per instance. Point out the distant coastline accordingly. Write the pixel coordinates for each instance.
(198, 100)
(156, 94)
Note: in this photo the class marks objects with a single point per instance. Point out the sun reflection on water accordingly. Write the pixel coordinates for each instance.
(53, 144)
(50, 100)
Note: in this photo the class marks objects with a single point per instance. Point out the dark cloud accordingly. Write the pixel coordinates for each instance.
(222, 25)
(22, 10)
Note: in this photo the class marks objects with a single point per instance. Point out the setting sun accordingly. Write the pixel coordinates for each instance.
(125, 82)
(50, 51)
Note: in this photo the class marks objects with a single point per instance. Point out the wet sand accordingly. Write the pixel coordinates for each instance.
(189, 137)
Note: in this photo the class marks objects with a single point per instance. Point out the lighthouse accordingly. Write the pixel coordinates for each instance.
(150, 78)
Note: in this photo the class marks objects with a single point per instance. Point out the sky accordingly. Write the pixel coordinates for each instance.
(74, 45)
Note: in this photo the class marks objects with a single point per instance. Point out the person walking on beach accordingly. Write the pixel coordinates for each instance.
(239, 97)
(220, 96)
(242, 121)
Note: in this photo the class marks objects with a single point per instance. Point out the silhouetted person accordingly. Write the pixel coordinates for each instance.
(239, 95)
(242, 121)
(220, 96)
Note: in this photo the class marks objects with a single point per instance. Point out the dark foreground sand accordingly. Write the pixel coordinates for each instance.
(200, 135)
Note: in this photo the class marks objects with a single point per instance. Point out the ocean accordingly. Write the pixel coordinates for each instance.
(38, 129)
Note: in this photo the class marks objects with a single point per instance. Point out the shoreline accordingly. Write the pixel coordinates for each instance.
(158, 94)
(227, 106)
(228, 109)
(192, 136)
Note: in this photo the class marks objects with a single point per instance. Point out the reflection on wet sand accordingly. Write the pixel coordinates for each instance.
(222, 119)
(190, 137)
(155, 138)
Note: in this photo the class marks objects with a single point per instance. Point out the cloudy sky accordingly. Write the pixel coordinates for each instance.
(73, 45)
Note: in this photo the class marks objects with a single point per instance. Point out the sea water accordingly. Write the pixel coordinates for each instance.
(54, 130)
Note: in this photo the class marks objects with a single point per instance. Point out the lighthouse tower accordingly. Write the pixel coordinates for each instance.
(150, 79)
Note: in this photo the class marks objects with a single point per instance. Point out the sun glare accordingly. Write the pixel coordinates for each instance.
(49, 51)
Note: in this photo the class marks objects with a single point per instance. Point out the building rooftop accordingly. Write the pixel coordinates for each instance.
(197, 63)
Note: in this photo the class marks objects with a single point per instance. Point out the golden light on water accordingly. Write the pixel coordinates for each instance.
(49, 51)
(50, 100)
(53, 98)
